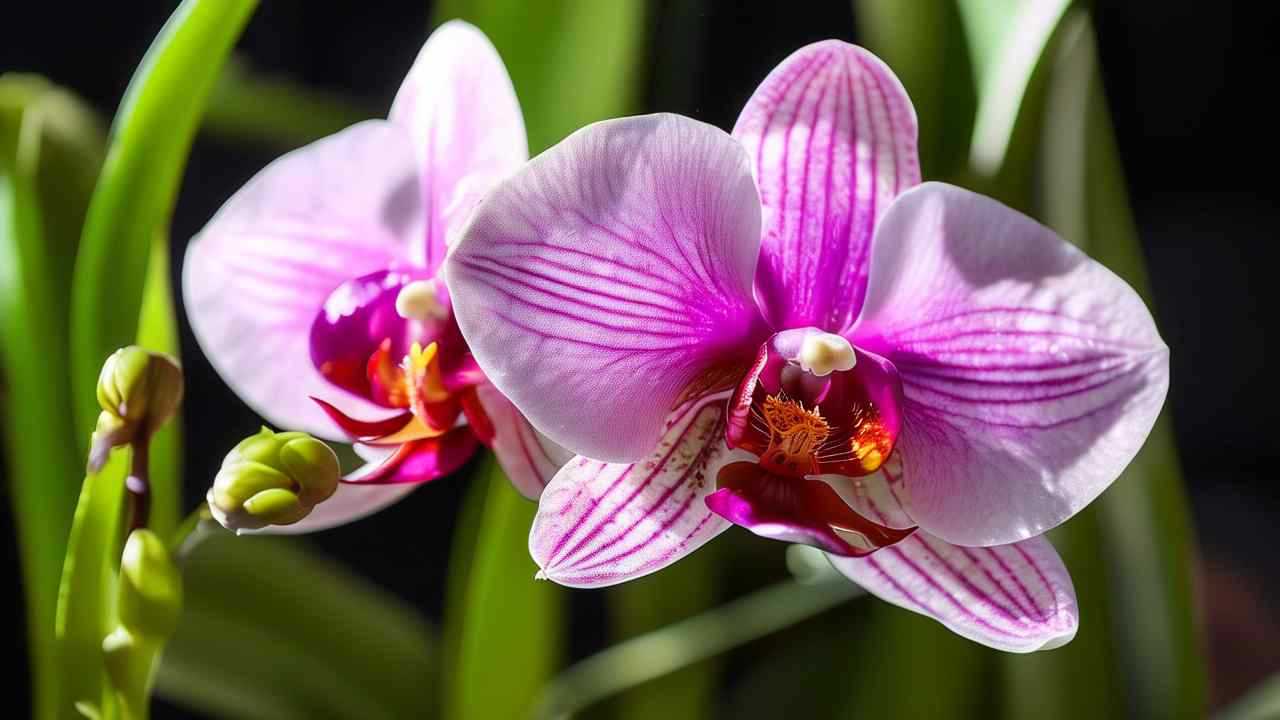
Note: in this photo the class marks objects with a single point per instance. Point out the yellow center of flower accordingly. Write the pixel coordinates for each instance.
(795, 434)
(869, 442)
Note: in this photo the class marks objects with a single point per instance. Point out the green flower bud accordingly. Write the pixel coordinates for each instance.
(273, 479)
(140, 387)
(149, 597)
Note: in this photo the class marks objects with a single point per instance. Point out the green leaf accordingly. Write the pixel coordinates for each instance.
(150, 140)
(573, 62)
(910, 666)
(647, 604)
(158, 330)
(88, 586)
(504, 629)
(51, 149)
(924, 42)
(274, 632)
(249, 106)
(1142, 522)
(1010, 40)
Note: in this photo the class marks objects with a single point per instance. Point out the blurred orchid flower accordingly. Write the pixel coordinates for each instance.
(777, 330)
(319, 277)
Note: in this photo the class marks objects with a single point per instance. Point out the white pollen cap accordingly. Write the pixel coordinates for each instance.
(418, 301)
(824, 353)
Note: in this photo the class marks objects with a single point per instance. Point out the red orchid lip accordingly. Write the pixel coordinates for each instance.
(803, 511)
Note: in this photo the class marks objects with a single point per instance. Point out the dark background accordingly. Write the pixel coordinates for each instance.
(1190, 86)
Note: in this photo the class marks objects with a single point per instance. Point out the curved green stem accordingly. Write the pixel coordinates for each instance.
(684, 643)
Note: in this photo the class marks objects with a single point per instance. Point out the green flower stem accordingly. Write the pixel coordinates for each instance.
(679, 645)
(138, 483)
(88, 584)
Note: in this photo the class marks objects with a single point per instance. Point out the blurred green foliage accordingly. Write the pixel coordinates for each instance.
(273, 632)
(51, 147)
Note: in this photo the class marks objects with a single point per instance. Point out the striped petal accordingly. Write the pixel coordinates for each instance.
(528, 457)
(1017, 597)
(832, 138)
(601, 524)
(459, 107)
(1031, 374)
(257, 275)
(611, 275)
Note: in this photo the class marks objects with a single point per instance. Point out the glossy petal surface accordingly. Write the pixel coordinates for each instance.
(255, 277)
(458, 106)
(832, 137)
(1017, 597)
(1031, 374)
(601, 524)
(610, 278)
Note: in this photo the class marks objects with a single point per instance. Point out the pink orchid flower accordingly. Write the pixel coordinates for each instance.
(318, 280)
(781, 329)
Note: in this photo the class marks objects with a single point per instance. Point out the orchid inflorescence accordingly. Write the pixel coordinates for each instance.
(663, 330)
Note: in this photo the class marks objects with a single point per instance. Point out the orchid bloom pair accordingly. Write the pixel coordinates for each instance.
(318, 280)
(782, 329)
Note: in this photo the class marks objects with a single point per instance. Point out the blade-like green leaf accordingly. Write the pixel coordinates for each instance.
(573, 62)
(87, 591)
(925, 44)
(150, 140)
(1143, 533)
(504, 634)
(1010, 40)
(158, 330)
(274, 632)
(50, 152)
(904, 665)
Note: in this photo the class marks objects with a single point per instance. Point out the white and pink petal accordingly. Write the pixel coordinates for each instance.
(1017, 597)
(1031, 374)
(258, 274)
(459, 108)
(832, 138)
(611, 275)
(600, 524)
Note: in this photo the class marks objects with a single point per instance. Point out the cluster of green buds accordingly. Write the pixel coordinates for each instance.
(138, 390)
(148, 603)
(273, 479)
